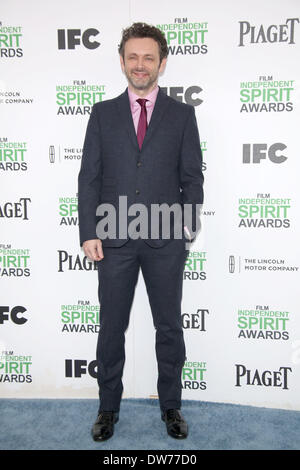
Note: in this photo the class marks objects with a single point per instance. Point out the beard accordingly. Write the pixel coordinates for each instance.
(142, 83)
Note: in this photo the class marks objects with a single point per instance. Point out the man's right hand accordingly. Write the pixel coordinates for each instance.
(93, 249)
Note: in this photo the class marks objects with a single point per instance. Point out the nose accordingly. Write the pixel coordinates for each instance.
(140, 63)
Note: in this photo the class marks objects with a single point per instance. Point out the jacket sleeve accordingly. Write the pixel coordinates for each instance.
(89, 180)
(191, 175)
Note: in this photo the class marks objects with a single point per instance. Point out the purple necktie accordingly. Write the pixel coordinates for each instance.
(142, 125)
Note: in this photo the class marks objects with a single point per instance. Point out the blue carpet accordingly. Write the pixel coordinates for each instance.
(66, 424)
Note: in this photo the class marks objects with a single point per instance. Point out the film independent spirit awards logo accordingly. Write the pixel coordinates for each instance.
(13, 155)
(185, 36)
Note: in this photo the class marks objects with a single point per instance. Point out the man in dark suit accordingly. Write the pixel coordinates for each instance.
(142, 145)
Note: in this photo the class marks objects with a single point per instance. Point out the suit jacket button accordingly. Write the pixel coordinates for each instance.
(138, 163)
(137, 191)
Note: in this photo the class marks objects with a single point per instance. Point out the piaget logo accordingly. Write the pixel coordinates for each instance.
(68, 211)
(264, 211)
(15, 368)
(10, 41)
(82, 317)
(195, 321)
(274, 33)
(14, 262)
(266, 95)
(12, 155)
(262, 378)
(193, 375)
(78, 98)
(263, 322)
(185, 37)
(195, 266)
(17, 209)
(70, 262)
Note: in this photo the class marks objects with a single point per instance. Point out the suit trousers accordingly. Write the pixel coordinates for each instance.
(118, 271)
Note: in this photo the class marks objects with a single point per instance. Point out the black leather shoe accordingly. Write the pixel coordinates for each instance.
(176, 425)
(103, 427)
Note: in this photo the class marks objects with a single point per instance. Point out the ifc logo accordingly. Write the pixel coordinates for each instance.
(70, 38)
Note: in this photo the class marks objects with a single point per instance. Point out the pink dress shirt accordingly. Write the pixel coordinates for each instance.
(136, 108)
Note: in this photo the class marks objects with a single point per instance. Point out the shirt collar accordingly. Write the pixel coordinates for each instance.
(150, 97)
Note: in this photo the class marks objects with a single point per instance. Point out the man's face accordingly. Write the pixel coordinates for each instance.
(141, 63)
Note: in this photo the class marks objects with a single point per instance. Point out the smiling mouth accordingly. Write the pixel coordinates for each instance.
(140, 74)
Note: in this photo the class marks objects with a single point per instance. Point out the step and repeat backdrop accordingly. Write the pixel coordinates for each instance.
(238, 65)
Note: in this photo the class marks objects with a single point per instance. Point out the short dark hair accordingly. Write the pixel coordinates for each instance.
(143, 30)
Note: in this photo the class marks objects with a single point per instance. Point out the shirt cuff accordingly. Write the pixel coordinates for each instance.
(187, 232)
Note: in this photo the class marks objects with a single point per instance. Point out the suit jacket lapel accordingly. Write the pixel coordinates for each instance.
(160, 106)
(126, 117)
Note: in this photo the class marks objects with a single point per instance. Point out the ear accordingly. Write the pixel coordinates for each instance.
(163, 65)
(122, 63)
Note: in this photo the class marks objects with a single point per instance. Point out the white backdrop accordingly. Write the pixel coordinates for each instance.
(238, 64)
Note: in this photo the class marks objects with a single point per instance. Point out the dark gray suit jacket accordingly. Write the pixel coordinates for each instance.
(168, 168)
